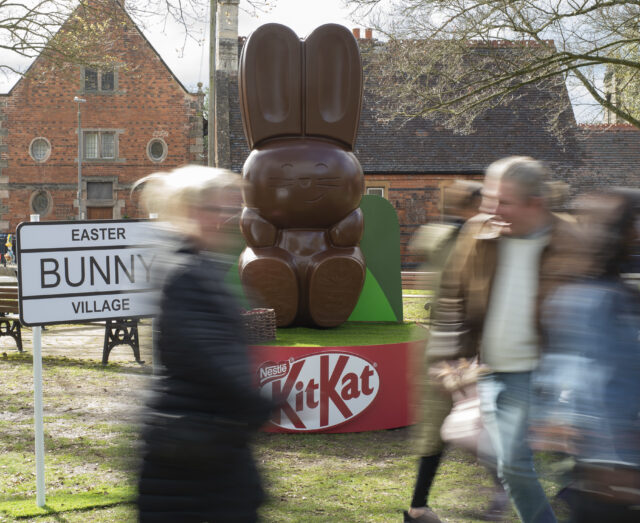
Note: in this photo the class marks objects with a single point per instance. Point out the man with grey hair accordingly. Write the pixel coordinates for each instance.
(498, 275)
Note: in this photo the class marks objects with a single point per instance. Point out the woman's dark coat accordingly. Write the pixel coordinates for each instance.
(197, 464)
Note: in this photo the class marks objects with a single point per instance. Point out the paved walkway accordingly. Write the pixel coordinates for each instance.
(8, 270)
(81, 341)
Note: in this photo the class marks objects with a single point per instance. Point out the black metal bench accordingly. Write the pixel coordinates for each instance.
(9, 312)
(123, 331)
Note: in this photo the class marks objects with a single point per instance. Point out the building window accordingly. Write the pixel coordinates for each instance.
(99, 190)
(376, 191)
(90, 80)
(99, 81)
(376, 188)
(100, 145)
(106, 81)
(40, 149)
(41, 202)
(157, 150)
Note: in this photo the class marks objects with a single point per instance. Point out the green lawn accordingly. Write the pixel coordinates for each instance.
(413, 306)
(348, 334)
(91, 415)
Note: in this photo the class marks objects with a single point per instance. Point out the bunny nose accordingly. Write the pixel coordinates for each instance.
(305, 183)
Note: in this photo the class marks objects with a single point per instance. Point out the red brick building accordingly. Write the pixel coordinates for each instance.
(137, 119)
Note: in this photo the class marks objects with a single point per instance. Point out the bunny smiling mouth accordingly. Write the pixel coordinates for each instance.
(313, 200)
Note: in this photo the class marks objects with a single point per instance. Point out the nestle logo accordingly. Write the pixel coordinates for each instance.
(270, 371)
(321, 390)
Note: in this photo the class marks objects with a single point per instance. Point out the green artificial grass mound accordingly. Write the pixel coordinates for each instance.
(348, 334)
(65, 502)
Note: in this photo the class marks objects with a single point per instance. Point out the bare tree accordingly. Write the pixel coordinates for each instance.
(32, 28)
(26, 28)
(455, 59)
(186, 13)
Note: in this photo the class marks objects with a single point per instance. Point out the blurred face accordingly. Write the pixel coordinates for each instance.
(217, 217)
(516, 215)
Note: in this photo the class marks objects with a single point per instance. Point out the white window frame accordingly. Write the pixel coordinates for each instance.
(100, 133)
(46, 156)
(377, 185)
(164, 152)
(376, 191)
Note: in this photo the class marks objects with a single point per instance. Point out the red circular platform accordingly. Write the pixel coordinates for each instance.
(339, 389)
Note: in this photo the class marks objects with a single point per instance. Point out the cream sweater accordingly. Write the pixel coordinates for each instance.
(510, 337)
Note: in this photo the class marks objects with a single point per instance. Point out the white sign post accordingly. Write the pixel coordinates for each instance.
(74, 272)
(38, 414)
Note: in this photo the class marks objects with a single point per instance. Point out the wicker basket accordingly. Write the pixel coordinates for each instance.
(259, 325)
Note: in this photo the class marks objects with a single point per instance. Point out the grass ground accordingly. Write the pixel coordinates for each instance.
(348, 334)
(413, 303)
(91, 415)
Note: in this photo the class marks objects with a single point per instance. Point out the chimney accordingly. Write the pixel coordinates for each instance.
(227, 33)
(368, 33)
(356, 32)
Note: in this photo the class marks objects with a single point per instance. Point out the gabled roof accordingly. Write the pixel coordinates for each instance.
(121, 7)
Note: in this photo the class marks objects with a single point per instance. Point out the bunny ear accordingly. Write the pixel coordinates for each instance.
(333, 84)
(270, 80)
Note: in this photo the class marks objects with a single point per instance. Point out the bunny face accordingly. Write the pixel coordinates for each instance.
(300, 183)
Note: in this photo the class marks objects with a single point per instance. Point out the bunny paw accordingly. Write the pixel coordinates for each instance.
(334, 289)
(275, 286)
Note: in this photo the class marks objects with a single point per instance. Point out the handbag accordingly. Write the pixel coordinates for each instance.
(463, 426)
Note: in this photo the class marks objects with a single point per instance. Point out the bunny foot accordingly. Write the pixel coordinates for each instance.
(274, 285)
(334, 289)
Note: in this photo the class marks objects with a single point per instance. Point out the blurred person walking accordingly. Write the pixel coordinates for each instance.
(507, 261)
(588, 381)
(433, 243)
(197, 463)
(8, 255)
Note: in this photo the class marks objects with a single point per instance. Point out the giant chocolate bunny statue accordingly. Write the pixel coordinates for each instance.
(300, 102)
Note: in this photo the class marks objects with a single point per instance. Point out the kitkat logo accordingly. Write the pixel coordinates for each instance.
(321, 390)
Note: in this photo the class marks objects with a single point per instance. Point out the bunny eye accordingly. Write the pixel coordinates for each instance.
(286, 166)
(321, 167)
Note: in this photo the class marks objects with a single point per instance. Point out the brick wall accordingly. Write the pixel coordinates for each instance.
(149, 102)
(416, 199)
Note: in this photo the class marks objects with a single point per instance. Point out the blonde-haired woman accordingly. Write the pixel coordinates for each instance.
(197, 463)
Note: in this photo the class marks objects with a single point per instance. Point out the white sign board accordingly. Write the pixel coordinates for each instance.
(84, 271)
